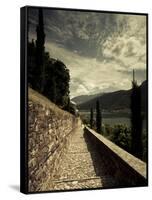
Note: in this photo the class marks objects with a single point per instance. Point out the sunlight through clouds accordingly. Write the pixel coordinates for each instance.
(100, 49)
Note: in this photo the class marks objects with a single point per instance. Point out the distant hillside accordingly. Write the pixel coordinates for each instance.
(116, 100)
(83, 98)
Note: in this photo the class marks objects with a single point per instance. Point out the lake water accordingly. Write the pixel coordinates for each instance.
(113, 118)
(118, 120)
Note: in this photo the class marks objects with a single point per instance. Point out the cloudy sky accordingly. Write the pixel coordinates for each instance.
(100, 49)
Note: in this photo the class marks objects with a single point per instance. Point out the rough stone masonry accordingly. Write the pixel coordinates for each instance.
(49, 130)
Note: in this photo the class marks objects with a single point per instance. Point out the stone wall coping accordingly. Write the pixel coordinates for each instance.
(131, 160)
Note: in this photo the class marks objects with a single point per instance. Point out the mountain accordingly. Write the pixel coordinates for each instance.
(118, 100)
(83, 98)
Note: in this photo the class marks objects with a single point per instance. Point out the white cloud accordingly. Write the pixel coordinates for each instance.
(126, 49)
(82, 90)
(100, 50)
(89, 75)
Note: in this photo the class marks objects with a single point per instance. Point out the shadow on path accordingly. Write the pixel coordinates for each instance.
(99, 163)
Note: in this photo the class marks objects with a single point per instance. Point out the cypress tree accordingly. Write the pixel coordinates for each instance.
(31, 65)
(91, 118)
(98, 117)
(136, 119)
(40, 51)
(46, 75)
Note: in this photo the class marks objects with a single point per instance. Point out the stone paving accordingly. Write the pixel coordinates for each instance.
(81, 167)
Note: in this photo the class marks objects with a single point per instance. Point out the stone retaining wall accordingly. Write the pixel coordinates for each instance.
(49, 130)
(124, 167)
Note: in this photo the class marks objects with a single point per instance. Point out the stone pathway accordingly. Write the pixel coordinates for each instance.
(81, 167)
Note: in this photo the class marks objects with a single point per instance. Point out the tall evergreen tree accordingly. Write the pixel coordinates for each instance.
(136, 119)
(40, 51)
(98, 117)
(46, 75)
(31, 65)
(91, 118)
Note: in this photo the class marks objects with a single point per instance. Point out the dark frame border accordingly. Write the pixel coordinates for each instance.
(23, 103)
(24, 96)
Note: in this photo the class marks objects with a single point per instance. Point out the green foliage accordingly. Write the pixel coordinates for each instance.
(107, 130)
(56, 76)
(121, 135)
(57, 83)
(48, 76)
(62, 78)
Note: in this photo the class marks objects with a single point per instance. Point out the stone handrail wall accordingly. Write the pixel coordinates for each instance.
(124, 167)
(49, 130)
